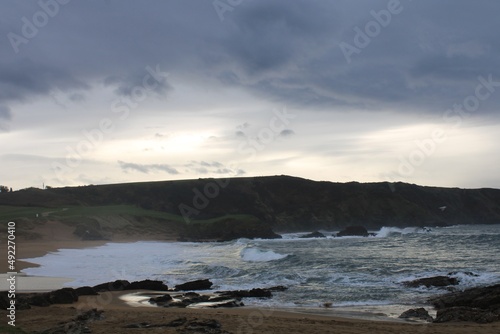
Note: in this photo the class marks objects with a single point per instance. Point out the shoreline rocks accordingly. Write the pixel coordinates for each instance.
(315, 234)
(436, 281)
(355, 231)
(480, 305)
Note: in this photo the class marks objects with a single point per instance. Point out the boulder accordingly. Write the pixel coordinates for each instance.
(86, 291)
(63, 296)
(482, 297)
(202, 284)
(358, 231)
(161, 300)
(37, 299)
(117, 285)
(436, 281)
(254, 293)
(461, 313)
(147, 285)
(314, 234)
(417, 313)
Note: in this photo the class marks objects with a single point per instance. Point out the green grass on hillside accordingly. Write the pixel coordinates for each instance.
(9, 213)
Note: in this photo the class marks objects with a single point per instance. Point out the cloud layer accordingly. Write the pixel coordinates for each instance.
(206, 80)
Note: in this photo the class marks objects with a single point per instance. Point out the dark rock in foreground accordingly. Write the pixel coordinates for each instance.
(202, 284)
(417, 313)
(77, 325)
(183, 325)
(314, 234)
(477, 304)
(483, 298)
(467, 314)
(355, 231)
(117, 285)
(437, 281)
(120, 285)
(86, 291)
(147, 285)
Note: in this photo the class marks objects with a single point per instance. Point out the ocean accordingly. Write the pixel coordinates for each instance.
(354, 273)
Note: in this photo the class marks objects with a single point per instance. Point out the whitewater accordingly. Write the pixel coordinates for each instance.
(341, 272)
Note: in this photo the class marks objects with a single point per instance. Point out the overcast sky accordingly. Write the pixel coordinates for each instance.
(110, 91)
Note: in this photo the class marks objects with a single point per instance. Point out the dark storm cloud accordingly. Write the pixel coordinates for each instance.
(429, 55)
(147, 168)
(22, 79)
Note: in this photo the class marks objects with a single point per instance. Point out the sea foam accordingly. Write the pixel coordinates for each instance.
(258, 255)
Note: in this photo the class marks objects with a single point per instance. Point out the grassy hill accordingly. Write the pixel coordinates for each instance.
(226, 207)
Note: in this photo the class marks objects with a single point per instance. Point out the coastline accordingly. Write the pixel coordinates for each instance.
(248, 319)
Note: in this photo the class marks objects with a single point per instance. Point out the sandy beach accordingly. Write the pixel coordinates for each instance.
(117, 313)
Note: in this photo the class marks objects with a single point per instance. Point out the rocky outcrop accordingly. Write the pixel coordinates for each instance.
(61, 296)
(227, 229)
(86, 291)
(417, 313)
(147, 285)
(217, 299)
(183, 325)
(355, 231)
(117, 285)
(454, 314)
(436, 281)
(78, 325)
(314, 234)
(202, 284)
(253, 293)
(480, 304)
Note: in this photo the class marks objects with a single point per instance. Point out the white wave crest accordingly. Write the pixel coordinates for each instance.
(258, 255)
(388, 231)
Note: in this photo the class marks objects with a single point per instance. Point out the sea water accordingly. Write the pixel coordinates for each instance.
(338, 272)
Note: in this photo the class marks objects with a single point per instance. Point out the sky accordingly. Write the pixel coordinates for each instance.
(112, 91)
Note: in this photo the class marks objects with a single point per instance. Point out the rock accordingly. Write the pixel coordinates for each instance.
(279, 288)
(482, 297)
(418, 313)
(37, 299)
(117, 285)
(4, 300)
(358, 231)
(254, 293)
(467, 314)
(162, 300)
(147, 285)
(203, 284)
(63, 296)
(86, 291)
(314, 234)
(436, 281)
